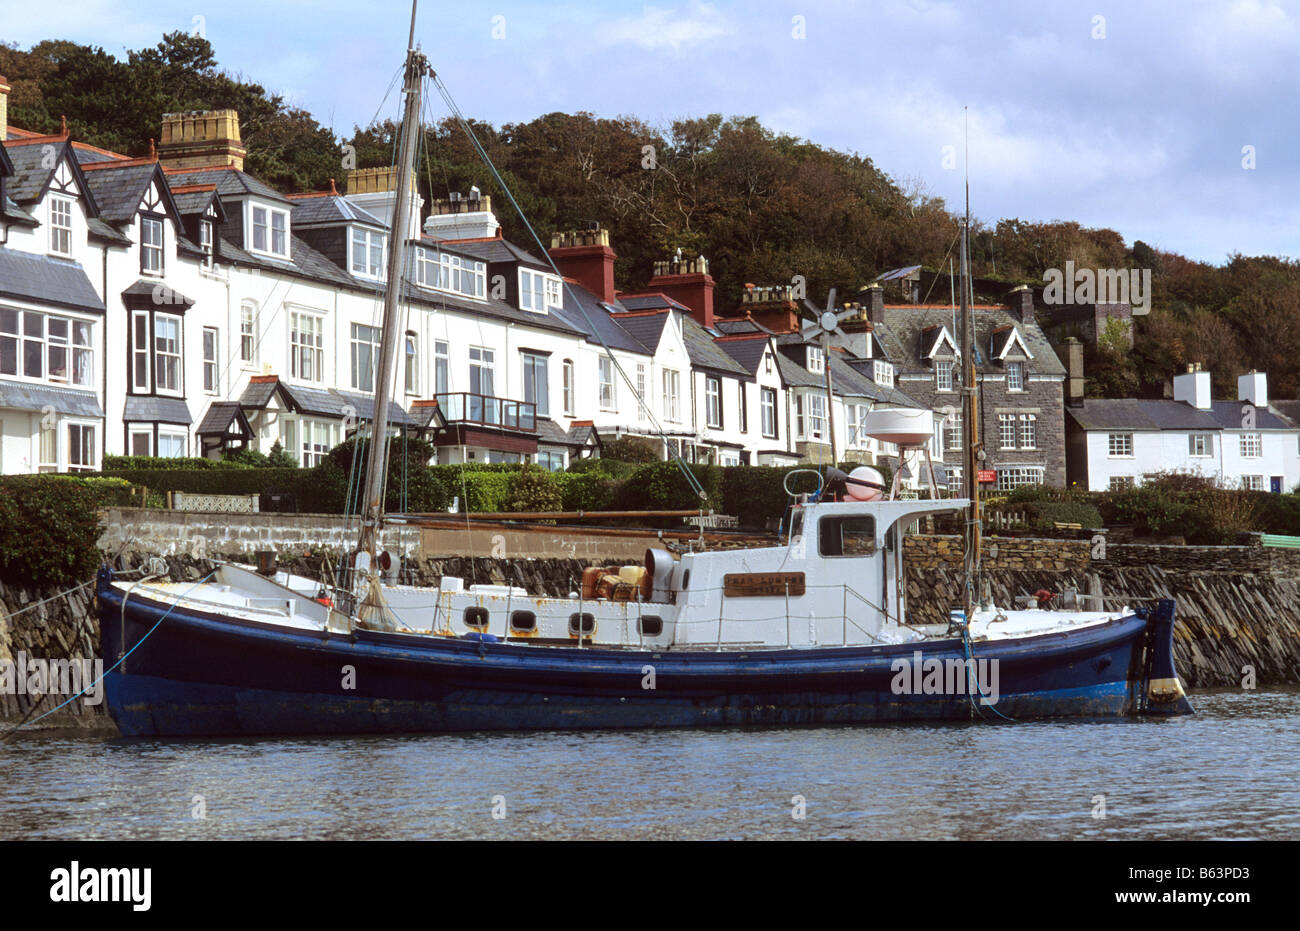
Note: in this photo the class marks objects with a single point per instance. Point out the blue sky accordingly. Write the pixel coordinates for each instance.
(1137, 122)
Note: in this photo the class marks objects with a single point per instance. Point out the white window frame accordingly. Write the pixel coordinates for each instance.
(608, 390)
(1013, 477)
(945, 375)
(211, 361)
(206, 242)
(884, 374)
(642, 392)
(1204, 442)
(713, 402)
(173, 435)
(47, 453)
(535, 384)
(268, 229)
(816, 416)
(307, 346)
(1120, 482)
(1119, 446)
(816, 360)
(568, 387)
(248, 334)
(364, 339)
(169, 360)
(1027, 432)
(371, 242)
(441, 366)
(767, 406)
(1253, 483)
(1007, 433)
(1251, 445)
(151, 252)
(672, 382)
(89, 447)
(411, 361)
(60, 224)
(133, 431)
(1015, 376)
(75, 345)
(952, 439)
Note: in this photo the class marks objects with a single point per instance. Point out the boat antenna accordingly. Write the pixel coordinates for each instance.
(372, 511)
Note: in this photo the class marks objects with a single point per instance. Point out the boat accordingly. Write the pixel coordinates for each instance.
(812, 630)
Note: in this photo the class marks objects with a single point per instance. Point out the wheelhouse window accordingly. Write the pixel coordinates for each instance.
(151, 246)
(307, 346)
(46, 347)
(537, 382)
(368, 248)
(713, 401)
(60, 225)
(211, 369)
(767, 410)
(365, 356)
(846, 536)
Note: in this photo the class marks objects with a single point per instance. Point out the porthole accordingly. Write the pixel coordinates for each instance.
(476, 618)
(650, 625)
(587, 620)
(523, 621)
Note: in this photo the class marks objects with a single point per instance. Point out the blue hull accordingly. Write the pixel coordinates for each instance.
(206, 675)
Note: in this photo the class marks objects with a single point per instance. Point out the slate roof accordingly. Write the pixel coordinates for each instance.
(326, 402)
(901, 337)
(705, 353)
(548, 431)
(1141, 414)
(488, 250)
(1228, 415)
(646, 329)
(583, 313)
(30, 176)
(27, 397)
(142, 293)
(746, 351)
(47, 280)
(795, 375)
(217, 418)
(194, 198)
(327, 209)
(230, 182)
(118, 191)
(651, 302)
(161, 410)
(1288, 409)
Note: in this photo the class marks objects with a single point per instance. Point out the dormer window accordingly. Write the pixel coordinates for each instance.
(453, 273)
(1015, 376)
(538, 291)
(816, 360)
(205, 242)
(368, 248)
(151, 246)
(270, 228)
(883, 374)
(60, 225)
(943, 374)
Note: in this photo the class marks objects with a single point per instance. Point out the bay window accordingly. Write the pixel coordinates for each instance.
(46, 347)
(167, 353)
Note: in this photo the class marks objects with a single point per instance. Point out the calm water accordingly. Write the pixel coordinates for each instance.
(1228, 772)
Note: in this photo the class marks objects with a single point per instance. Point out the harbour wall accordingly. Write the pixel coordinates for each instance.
(1238, 607)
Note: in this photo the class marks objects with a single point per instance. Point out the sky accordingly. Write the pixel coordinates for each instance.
(1171, 122)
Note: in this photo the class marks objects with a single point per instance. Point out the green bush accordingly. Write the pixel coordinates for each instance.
(167, 463)
(609, 468)
(49, 527)
(534, 489)
(662, 486)
(632, 449)
(1044, 515)
(247, 456)
(756, 494)
(587, 492)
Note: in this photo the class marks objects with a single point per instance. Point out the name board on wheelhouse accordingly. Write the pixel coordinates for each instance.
(749, 584)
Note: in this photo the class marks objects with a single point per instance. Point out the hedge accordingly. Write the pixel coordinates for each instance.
(49, 526)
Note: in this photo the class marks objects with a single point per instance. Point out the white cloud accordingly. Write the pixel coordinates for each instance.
(659, 28)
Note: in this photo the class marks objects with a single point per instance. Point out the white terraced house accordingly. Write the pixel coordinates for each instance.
(174, 305)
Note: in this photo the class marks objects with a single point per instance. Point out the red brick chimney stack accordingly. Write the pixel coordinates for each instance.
(585, 256)
(688, 282)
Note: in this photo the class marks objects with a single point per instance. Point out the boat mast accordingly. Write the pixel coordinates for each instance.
(970, 415)
(372, 514)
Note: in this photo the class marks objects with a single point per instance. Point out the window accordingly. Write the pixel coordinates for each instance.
(140, 351)
(454, 273)
(551, 460)
(943, 374)
(411, 356)
(799, 423)
(1028, 431)
(483, 406)
(952, 432)
(816, 416)
(1252, 482)
(49, 448)
(863, 411)
(713, 401)
(585, 621)
(1007, 431)
(537, 382)
(34, 345)
(672, 390)
(606, 383)
(441, 366)
(884, 374)
(60, 225)
(270, 231)
(368, 247)
(81, 447)
(167, 353)
(205, 242)
(1120, 482)
(954, 479)
(846, 536)
(171, 443)
(642, 399)
(1120, 445)
(365, 356)
(1252, 446)
(151, 246)
(306, 346)
(248, 333)
(816, 359)
(1019, 475)
(1200, 444)
(211, 372)
(537, 291)
(139, 441)
(1015, 376)
(317, 438)
(741, 396)
(476, 618)
(767, 406)
(568, 387)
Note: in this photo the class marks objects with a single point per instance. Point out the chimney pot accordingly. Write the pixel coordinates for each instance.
(203, 139)
(585, 255)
